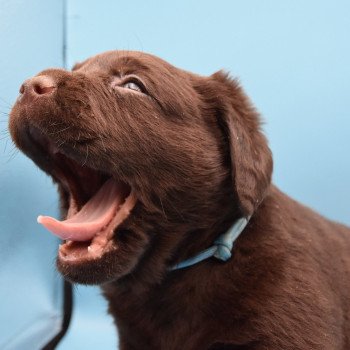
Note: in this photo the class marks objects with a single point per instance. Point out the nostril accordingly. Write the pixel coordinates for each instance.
(42, 89)
(21, 89)
(38, 86)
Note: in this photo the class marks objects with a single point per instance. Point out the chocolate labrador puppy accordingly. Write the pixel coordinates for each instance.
(167, 203)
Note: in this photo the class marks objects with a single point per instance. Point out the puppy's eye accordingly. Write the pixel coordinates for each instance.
(130, 82)
(132, 86)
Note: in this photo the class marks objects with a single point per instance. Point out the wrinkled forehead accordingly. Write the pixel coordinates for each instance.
(126, 62)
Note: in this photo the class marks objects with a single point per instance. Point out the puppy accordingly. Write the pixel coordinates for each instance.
(165, 185)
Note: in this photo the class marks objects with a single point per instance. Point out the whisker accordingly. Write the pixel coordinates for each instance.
(161, 203)
(6, 103)
(12, 154)
(61, 144)
(87, 154)
(104, 147)
(4, 137)
(55, 123)
(59, 131)
(6, 142)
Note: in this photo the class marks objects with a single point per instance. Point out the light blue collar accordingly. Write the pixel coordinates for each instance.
(222, 246)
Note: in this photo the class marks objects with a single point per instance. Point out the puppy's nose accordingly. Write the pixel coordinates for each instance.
(38, 86)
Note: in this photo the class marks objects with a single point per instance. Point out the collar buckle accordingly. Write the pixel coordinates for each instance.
(222, 248)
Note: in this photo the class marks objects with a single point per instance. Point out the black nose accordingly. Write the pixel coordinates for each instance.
(38, 86)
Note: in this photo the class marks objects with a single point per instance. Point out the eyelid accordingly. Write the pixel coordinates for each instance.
(133, 79)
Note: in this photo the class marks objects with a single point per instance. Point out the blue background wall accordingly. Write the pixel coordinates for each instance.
(292, 57)
(31, 37)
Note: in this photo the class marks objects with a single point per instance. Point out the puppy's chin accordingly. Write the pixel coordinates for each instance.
(105, 257)
(111, 265)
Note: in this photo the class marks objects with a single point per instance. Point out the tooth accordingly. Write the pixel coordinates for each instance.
(89, 249)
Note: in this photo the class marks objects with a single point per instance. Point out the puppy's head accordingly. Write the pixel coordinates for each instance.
(146, 156)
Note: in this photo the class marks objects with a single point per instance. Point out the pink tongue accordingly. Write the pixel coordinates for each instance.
(91, 219)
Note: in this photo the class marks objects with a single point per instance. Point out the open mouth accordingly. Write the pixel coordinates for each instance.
(95, 203)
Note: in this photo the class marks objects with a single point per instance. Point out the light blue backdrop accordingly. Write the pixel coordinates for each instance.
(291, 56)
(31, 38)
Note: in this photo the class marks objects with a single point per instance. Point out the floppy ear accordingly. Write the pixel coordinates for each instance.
(77, 65)
(251, 159)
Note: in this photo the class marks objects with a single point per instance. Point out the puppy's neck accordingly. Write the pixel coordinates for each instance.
(167, 249)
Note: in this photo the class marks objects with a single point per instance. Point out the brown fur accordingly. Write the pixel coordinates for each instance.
(193, 151)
